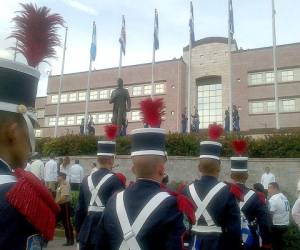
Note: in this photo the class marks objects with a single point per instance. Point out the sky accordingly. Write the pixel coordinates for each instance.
(252, 19)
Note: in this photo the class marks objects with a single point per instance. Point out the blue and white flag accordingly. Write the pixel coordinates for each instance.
(93, 49)
(231, 20)
(191, 23)
(122, 38)
(156, 41)
(247, 236)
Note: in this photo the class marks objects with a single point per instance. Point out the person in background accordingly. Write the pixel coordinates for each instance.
(76, 176)
(63, 199)
(235, 119)
(267, 178)
(296, 212)
(94, 167)
(37, 167)
(50, 174)
(227, 120)
(184, 121)
(65, 167)
(280, 211)
(81, 128)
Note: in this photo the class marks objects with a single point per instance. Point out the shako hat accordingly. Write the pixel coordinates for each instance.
(108, 148)
(151, 140)
(239, 163)
(211, 148)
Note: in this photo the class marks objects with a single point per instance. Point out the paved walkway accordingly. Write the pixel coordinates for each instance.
(57, 244)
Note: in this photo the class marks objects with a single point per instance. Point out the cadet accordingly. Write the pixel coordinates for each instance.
(27, 210)
(95, 191)
(144, 216)
(217, 215)
(254, 212)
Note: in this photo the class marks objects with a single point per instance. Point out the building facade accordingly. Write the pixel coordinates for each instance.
(252, 89)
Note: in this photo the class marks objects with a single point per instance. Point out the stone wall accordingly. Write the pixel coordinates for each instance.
(287, 171)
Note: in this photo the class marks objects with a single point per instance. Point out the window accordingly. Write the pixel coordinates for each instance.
(81, 96)
(63, 98)
(79, 118)
(287, 76)
(40, 113)
(38, 133)
(147, 89)
(256, 107)
(103, 94)
(70, 120)
(61, 120)
(54, 99)
(102, 118)
(52, 121)
(159, 88)
(270, 106)
(256, 78)
(110, 115)
(135, 115)
(72, 97)
(270, 77)
(137, 90)
(94, 95)
(288, 105)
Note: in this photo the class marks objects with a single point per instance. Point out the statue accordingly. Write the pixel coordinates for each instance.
(122, 104)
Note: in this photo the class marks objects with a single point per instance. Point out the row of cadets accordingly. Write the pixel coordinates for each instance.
(218, 215)
(27, 209)
(96, 190)
(145, 216)
(255, 222)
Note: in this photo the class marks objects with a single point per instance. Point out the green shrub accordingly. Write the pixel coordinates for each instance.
(279, 144)
(292, 238)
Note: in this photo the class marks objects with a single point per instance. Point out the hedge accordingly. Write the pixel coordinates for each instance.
(276, 145)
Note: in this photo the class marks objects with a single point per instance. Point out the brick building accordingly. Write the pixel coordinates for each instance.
(253, 89)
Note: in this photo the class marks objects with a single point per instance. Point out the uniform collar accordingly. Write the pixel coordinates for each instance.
(148, 180)
(209, 178)
(4, 167)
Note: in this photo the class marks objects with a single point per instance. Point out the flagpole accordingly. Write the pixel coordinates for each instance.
(152, 72)
(230, 69)
(87, 99)
(120, 61)
(275, 66)
(189, 87)
(60, 83)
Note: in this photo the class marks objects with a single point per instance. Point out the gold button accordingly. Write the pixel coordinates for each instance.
(22, 109)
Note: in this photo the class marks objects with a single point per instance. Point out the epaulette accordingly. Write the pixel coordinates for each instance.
(236, 191)
(32, 199)
(122, 178)
(184, 204)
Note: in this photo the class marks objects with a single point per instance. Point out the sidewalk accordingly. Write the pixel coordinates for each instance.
(57, 244)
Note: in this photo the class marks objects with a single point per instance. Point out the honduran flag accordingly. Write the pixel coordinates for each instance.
(122, 38)
(93, 49)
(156, 41)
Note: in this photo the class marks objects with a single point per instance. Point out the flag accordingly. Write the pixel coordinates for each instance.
(231, 21)
(191, 23)
(122, 38)
(156, 41)
(93, 45)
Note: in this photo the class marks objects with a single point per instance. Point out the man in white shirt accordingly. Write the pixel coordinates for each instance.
(76, 175)
(50, 174)
(280, 211)
(37, 167)
(267, 178)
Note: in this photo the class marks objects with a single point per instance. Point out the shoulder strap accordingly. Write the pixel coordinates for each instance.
(5, 179)
(246, 198)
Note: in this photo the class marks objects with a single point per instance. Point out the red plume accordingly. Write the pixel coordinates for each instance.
(239, 146)
(111, 131)
(152, 111)
(36, 33)
(215, 131)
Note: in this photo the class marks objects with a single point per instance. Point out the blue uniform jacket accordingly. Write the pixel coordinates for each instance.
(223, 209)
(14, 228)
(163, 230)
(86, 222)
(256, 213)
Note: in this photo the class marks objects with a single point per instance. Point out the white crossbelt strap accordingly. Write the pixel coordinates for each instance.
(202, 205)
(246, 198)
(5, 179)
(94, 191)
(131, 231)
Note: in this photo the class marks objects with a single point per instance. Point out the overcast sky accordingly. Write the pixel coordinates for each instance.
(253, 28)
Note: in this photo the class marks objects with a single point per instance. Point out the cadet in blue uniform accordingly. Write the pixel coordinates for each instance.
(217, 214)
(95, 191)
(144, 216)
(254, 212)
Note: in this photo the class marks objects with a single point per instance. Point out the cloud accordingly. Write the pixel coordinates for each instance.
(81, 7)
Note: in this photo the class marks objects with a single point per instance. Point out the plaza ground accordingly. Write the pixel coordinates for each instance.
(57, 244)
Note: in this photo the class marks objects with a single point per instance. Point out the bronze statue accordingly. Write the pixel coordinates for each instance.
(122, 104)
